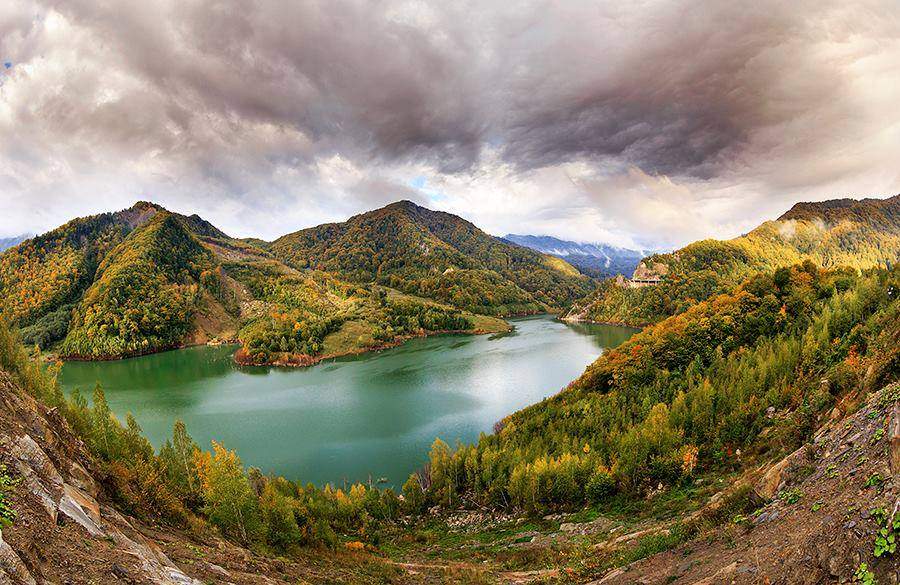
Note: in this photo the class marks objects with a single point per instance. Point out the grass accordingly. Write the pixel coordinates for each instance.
(560, 265)
(352, 335)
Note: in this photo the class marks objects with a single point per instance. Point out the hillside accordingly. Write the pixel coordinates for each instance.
(72, 511)
(435, 255)
(145, 279)
(843, 232)
(595, 260)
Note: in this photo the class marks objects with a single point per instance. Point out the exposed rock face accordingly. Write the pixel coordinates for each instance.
(56, 500)
(650, 272)
(12, 569)
(778, 474)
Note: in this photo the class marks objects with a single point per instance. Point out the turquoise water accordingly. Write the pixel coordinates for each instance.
(353, 418)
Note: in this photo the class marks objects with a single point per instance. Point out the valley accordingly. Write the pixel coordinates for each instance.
(749, 433)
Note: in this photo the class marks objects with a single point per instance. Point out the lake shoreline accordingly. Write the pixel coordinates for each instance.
(241, 358)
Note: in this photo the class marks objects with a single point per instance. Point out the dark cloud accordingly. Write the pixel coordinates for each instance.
(250, 101)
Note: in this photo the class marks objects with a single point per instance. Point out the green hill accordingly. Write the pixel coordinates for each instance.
(145, 279)
(144, 294)
(436, 255)
(843, 232)
(690, 395)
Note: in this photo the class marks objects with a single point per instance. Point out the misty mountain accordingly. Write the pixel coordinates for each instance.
(593, 259)
(6, 243)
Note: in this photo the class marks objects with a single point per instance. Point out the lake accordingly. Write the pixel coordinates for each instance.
(352, 418)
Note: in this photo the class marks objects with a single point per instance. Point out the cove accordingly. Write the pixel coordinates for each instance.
(353, 418)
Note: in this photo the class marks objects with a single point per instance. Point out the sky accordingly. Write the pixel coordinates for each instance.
(637, 123)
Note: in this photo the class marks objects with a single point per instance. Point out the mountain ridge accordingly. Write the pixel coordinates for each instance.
(437, 255)
(123, 283)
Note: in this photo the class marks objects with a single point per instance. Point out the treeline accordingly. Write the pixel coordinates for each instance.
(202, 490)
(686, 395)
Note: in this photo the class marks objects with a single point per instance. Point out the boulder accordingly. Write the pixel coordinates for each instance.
(82, 509)
(80, 478)
(779, 474)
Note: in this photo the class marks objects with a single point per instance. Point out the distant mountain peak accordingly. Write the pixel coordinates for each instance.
(593, 259)
(403, 204)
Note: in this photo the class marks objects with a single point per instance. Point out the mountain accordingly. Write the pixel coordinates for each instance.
(436, 255)
(858, 234)
(145, 279)
(596, 260)
(6, 243)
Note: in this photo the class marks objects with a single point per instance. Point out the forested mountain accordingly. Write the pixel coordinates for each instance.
(708, 423)
(674, 439)
(843, 232)
(145, 279)
(435, 255)
(596, 260)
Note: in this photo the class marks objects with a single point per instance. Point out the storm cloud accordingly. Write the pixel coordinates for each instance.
(632, 122)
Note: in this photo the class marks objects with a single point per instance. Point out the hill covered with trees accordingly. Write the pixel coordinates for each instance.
(145, 279)
(674, 414)
(843, 232)
(695, 392)
(436, 255)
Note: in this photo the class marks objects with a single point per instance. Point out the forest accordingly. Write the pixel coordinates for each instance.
(687, 394)
(437, 255)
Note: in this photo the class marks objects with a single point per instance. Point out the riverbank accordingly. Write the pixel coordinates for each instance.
(242, 358)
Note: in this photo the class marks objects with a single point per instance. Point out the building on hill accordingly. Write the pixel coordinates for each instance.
(644, 275)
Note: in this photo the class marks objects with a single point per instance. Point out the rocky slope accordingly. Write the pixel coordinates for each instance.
(822, 507)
